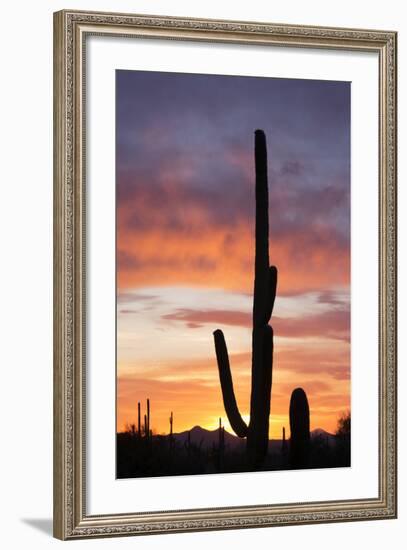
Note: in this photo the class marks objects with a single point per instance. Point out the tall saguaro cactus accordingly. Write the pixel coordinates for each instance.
(265, 284)
(299, 426)
(139, 419)
(148, 418)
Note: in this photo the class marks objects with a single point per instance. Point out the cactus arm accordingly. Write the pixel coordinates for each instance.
(271, 291)
(236, 421)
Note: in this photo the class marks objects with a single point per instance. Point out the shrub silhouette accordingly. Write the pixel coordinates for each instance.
(343, 439)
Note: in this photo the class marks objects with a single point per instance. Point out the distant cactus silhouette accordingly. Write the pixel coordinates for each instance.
(139, 419)
(145, 431)
(148, 419)
(284, 445)
(221, 445)
(171, 423)
(300, 431)
(221, 436)
(265, 284)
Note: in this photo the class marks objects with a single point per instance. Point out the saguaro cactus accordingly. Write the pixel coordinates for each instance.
(148, 417)
(284, 445)
(171, 423)
(299, 426)
(171, 440)
(145, 426)
(221, 445)
(265, 284)
(221, 434)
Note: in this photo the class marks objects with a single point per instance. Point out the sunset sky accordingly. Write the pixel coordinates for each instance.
(185, 243)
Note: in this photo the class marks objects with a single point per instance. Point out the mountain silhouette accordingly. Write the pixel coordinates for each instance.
(207, 438)
(325, 436)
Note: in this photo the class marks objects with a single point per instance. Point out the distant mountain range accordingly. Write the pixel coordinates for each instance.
(320, 433)
(207, 438)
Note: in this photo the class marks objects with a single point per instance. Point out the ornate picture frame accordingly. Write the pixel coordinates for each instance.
(72, 519)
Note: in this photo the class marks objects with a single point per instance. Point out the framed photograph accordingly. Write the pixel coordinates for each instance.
(225, 274)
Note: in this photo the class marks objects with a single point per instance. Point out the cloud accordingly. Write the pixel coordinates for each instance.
(190, 387)
(224, 259)
(181, 233)
(334, 298)
(330, 324)
(333, 324)
(292, 168)
(213, 316)
(131, 297)
(185, 199)
(193, 325)
(332, 361)
(309, 386)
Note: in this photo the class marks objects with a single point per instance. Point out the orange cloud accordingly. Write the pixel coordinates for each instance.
(223, 259)
(329, 324)
(190, 388)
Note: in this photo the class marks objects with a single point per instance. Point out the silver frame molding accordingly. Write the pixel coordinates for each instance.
(70, 31)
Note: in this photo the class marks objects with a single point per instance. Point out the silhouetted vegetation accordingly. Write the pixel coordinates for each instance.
(343, 438)
(265, 285)
(200, 451)
(299, 426)
(170, 456)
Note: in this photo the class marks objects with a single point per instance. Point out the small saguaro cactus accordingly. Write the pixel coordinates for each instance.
(139, 419)
(221, 433)
(300, 431)
(221, 444)
(265, 284)
(171, 419)
(148, 416)
(171, 423)
(284, 445)
(221, 436)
